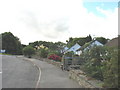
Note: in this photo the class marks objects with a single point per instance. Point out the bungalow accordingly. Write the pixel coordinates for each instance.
(89, 45)
(74, 48)
(95, 42)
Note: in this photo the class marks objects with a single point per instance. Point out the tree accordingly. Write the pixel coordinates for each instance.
(28, 51)
(102, 40)
(11, 44)
(111, 69)
(81, 41)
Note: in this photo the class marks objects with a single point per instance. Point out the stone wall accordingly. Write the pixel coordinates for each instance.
(84, 80)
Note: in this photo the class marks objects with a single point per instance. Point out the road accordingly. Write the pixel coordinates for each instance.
(19, 73)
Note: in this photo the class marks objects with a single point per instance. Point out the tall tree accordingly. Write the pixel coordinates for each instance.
(11, 44)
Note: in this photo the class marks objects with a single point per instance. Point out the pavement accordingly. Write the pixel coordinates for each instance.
(21, 72)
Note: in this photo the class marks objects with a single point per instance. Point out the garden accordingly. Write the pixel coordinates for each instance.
(101, 63)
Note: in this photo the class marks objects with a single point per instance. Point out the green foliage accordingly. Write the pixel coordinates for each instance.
(92, 69)
(110, 69)
(11, 44)
(52, 52)
(94, 52)
(102, 40)
(28, 51)
(43, 53)
(57, 46)
(81, 41)
(102, 63)
(51, 47)
(92, 64)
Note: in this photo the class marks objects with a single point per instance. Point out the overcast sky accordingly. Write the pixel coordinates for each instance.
(57, 20)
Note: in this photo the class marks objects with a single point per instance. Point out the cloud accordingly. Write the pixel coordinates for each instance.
(46, 29)
(55, 20)
(84, 23)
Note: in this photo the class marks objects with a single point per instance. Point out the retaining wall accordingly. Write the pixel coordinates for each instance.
(84, 80)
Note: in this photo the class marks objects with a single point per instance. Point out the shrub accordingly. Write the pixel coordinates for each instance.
(55, 52)
(43, 53)
(93, 69)
(54, 57)
(28, 51)
(110, 69)
(50, 53)
(93, 58)
(102, 63)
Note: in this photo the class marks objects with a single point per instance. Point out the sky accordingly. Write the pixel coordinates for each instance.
(57, 20)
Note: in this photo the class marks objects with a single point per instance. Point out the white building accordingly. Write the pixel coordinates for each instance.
(74, 48)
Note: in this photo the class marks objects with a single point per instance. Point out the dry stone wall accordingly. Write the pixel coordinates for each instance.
(84, 80)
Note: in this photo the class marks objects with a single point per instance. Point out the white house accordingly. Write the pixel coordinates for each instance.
(88, 46)
(97, 43)
(74, 48)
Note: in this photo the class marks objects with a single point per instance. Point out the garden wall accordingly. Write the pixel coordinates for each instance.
(83, 80)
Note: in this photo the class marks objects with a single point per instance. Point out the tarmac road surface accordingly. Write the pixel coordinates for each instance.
(21, 72)
(53, 77)
(18, 73)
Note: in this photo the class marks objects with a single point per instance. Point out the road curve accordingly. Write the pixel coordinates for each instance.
(18, 73)
(53, 77)
(21, 72)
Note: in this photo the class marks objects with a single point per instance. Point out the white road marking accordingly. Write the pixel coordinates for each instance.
(39, 74)
(38, 78)
(39, 71)
(0, 72)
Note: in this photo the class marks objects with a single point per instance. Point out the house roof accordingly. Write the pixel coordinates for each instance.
(96, 43)
(91, 43)
(75, 47)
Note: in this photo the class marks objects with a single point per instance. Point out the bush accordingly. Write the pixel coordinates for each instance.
(102, 63)
(110, 69)
(55, 52)
(43, 53)
(28, 51)
(93, 69)
(54, 57)
(93, 58)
